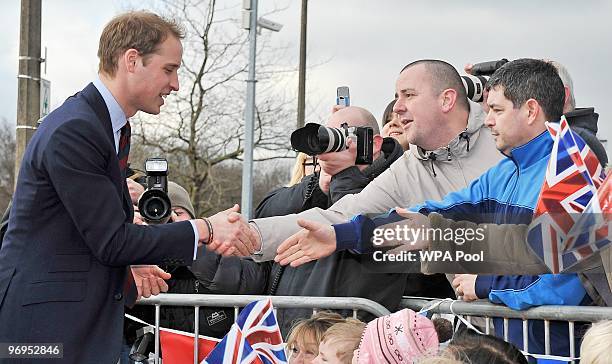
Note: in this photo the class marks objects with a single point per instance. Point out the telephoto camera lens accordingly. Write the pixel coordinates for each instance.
(474, 86)
(315, 139)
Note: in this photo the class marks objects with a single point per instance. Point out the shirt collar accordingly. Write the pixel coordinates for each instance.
(117, 116)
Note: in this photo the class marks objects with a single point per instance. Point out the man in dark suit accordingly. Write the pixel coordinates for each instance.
(70, 240)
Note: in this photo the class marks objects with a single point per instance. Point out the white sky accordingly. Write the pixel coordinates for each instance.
(360, 43)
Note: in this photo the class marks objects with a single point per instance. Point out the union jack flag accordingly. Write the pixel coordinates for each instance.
(233, 349)
(260, 333)
(567, 226)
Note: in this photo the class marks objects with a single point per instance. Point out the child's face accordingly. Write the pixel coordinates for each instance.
(327, 354)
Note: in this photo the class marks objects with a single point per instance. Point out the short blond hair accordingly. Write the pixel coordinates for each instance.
(595, 348)
(140, 30)
(345, 337)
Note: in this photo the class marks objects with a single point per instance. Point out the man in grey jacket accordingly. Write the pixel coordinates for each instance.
(451, 147)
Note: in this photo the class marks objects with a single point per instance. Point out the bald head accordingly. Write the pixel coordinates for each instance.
(443, 76)
(353, 116)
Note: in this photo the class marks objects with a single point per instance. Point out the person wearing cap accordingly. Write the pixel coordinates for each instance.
(401, 337)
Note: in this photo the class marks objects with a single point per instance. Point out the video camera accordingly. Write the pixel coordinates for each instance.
(154, 204)
(314, 139)
(475, 83)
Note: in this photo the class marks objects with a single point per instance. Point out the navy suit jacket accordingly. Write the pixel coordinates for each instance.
(70, 238)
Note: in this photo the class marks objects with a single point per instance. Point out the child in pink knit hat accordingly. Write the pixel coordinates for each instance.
(400, 337)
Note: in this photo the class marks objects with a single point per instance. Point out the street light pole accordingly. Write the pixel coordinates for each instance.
(249, 125)
(302, 67)
(28, 84)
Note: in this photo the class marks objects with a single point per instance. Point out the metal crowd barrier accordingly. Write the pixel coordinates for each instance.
(487, 310)
(236, 301)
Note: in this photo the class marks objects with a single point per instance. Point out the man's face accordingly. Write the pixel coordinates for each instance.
(156, 76)
(506, 122)
(417, 106)
(327, 354)
(335, 121)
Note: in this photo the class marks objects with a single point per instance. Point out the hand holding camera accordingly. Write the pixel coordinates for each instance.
(334, 163)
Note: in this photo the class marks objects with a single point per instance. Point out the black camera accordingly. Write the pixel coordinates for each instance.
(487, 68)
(144, 344)
(475, 83)
(154, 204)
(314, 139)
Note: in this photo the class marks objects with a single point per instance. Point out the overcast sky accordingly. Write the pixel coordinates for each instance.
(360, 43)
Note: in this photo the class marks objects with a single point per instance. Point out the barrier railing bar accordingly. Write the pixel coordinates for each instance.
(525, 336)
(196, 332)
(546, 337)
(506, 329)
(571, 340)
(157, 318)
(484, 308)
(175, 299)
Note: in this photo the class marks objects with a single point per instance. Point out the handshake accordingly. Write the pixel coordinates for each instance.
(228, 233)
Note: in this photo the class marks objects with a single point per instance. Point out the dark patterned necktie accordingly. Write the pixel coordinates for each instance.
(124, 147)
(130, 292)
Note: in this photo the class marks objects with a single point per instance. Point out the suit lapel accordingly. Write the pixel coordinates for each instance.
(95, 100)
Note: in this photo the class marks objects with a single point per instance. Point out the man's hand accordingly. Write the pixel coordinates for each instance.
(324, 181)
(135, 189)
(337, 107)
(414, 220)
(335, 162)
(232, 234)
(138, 220)
(150, 280)
(465, 286)
(468, 68)
(315, 241)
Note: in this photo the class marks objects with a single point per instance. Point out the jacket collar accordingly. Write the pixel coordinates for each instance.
(459, 145)
(95, 100)
(533, 151)
(583, 118)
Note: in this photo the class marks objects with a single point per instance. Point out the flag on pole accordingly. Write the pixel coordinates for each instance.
(560, 233)
(256, 330)
(233, 349)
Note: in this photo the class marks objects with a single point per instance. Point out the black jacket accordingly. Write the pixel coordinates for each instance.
(342, 274)
(583, 121)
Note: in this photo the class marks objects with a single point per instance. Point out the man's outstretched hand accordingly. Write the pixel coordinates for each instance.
(150, 280)
(232, 234)
(314, 241)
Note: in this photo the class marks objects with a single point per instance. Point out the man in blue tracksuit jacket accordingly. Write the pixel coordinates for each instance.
(523, 94)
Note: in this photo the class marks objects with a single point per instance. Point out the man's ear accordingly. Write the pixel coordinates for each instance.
(533, 111)
(378, 142)
(448, 98)
(130, 58)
